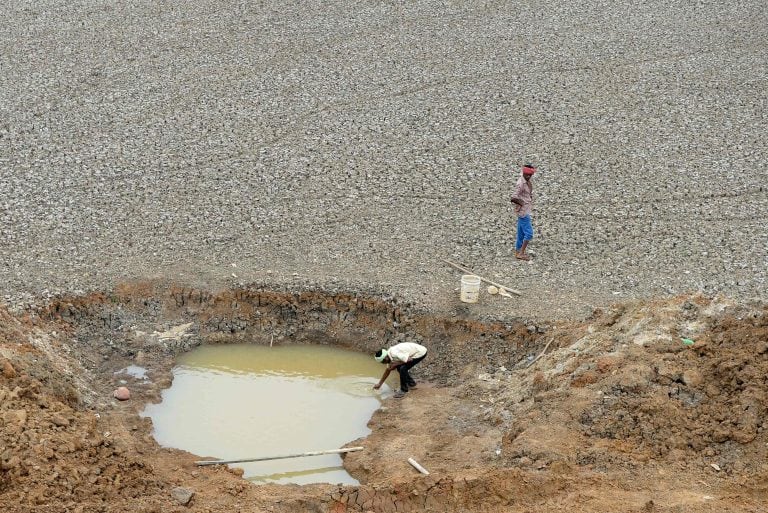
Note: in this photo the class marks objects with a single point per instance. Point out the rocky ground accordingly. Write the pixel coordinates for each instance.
(615, 414)
(354, 145)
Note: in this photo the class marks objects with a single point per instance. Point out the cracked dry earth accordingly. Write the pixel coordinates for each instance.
(616, 415)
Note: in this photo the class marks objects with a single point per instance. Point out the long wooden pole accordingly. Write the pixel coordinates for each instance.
(486, 280)
(300, 455)
(541, 353)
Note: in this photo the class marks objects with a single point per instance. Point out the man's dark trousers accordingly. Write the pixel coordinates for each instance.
(405, 378)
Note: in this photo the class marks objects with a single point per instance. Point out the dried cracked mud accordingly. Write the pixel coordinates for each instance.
(612, 413)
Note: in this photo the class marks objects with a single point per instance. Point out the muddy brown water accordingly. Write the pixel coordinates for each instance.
(247, 401)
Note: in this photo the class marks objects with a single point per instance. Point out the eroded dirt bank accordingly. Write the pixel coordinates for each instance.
(617, 415)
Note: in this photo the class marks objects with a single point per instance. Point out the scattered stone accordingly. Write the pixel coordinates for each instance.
(122, 394)
(8, 371)
(236, 471)
(692, 377)
(141, 357)
(182, 495)
(15, 417)
(59, 421)
(11, 463)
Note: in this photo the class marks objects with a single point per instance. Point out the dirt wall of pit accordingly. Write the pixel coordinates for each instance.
(121, 324)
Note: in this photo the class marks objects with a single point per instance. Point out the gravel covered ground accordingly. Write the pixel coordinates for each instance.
(356, 144)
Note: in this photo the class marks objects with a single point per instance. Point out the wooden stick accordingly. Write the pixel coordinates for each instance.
(486, 280)
(418, 467)
(301, 455)
(541, 353)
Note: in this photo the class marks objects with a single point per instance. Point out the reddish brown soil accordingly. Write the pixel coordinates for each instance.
(618, 415)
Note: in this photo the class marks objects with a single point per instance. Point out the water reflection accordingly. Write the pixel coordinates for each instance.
(242, 401)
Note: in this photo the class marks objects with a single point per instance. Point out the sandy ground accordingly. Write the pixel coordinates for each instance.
(618, 414)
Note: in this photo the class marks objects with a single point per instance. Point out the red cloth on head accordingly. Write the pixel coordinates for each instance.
(528, 170)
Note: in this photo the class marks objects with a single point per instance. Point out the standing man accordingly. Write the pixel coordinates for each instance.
(523, 200)
(402, 357)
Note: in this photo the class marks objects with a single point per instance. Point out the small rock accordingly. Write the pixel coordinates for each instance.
(141, 356)
(60, 421)
(15, 417)
(692, 377)
(122, 394)
(182, 495)
(11, 463)
(8, 371)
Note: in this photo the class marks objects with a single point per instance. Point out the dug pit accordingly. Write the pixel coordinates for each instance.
(609, 413)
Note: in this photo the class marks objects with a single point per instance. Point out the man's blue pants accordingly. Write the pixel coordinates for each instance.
(524, 231)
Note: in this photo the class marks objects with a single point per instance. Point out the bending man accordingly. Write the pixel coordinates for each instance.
(402, 357)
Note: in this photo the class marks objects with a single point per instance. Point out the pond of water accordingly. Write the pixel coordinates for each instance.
(247, 401)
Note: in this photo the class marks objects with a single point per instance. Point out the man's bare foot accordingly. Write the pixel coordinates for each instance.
(522, 256)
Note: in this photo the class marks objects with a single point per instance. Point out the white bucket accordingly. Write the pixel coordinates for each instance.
(470, 288)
